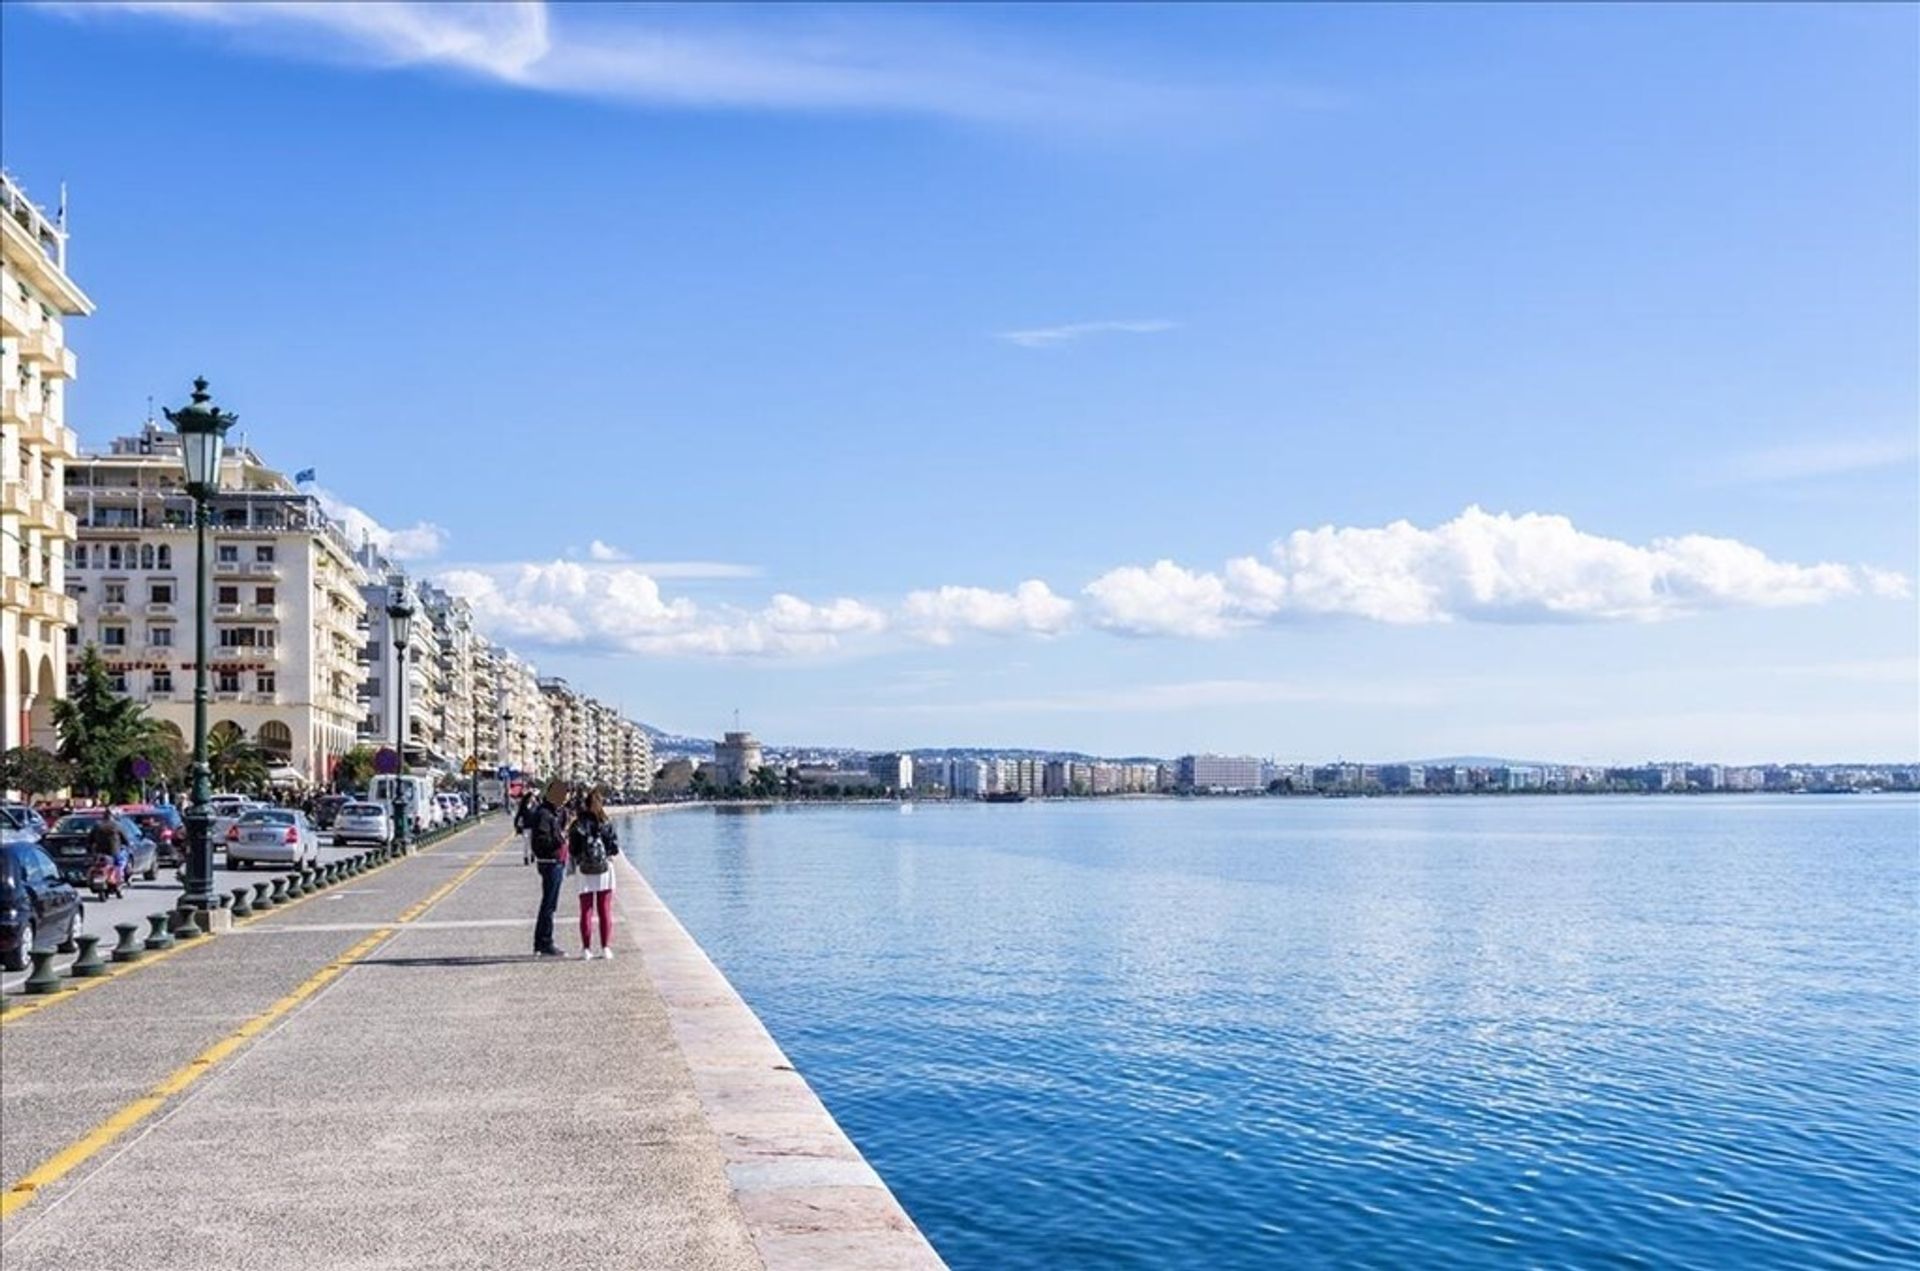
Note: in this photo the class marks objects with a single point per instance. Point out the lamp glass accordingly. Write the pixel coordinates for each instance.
(201, 450)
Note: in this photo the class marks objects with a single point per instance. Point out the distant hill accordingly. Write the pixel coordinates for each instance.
(1479, 761)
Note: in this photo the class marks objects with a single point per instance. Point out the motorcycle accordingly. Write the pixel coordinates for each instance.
(106, 877)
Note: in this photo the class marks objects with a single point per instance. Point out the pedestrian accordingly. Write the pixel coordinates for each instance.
(591, 846)
(547, 841)
(522, 822)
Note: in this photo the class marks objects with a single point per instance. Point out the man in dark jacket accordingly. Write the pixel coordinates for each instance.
(546, 837)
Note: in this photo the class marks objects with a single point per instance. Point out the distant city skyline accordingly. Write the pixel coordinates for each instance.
(1124, 381)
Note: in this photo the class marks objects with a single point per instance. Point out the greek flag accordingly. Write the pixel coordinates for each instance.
(303, 476)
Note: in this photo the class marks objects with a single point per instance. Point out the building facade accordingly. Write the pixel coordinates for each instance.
(287, 618)
(736, 757)
(36, 530)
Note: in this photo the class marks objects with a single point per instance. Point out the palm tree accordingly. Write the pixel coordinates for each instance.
(237, 762)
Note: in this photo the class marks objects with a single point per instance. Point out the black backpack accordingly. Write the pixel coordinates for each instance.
(588, 845)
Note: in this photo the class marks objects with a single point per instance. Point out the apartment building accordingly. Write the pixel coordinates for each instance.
(287, 619)
(36, 297)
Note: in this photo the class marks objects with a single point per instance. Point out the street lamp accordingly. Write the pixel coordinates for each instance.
(400, 625)
(203, 436)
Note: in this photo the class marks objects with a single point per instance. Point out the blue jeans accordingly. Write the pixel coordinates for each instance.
(551, 874)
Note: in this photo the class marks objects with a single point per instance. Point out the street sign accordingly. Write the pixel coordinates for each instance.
(471, 766)
(504, 773)
(386, 761)
(141, 768)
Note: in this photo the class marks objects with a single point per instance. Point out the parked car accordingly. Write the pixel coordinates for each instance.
(272, 836)
(327, 807)
(453, 807)
(227, 809)
(38, 909)
(70, 843)
(162, 823)
(363, 823)
(22, 818)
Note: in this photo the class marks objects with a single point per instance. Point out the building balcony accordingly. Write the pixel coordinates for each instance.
(269, 610)
(39, 344)
(13, 407)
(157, 652)
(246, 653)
(162, 695)
(61, 364)
(226, 611)
(228, 568)
(263, 569)
(15, 501)
(113, 609)
(54, 607)
(235, 696)
(15, 319)
(56, 521)
(16, 593)
(159, 609)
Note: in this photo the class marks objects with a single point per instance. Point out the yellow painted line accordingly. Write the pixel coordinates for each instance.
(88, 1145)
(69, 989)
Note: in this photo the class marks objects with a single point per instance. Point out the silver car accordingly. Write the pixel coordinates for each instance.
(363, 823)
(272, 836)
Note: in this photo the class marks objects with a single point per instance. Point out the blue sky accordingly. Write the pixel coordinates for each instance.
(858, 368)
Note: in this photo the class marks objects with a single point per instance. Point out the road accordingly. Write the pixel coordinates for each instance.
(163, 893)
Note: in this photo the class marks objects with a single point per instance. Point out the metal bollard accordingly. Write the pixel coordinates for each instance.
(185, 926)
(262, 896)
(158, 937)
(279, 886)
(241, 908)
(43, 980)
(294, 889)
(89, 963)
(128, 950)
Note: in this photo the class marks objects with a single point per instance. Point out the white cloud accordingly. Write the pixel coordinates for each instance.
(882, 60)
(1032, 608)
(422, 540)
(1827, 456)
(1480, 566)
(1053, 337)
(621, 609)
(598, 550)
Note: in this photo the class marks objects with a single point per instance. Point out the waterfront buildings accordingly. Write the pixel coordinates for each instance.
(36, 298)
(892, 771)
(288, 614)
(1220, 773)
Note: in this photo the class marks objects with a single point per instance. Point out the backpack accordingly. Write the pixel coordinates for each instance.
(588, 846)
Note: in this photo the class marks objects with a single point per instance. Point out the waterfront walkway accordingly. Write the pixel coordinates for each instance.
(381, 1076)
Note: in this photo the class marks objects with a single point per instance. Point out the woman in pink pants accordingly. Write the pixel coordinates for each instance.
(592, 847)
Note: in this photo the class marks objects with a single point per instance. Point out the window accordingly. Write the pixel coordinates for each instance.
(114, 593)
(113, 556)
(227, 596)
(263, 553)
(114, 637)
(160, 637)
(263, 595)
(164, 558)
(117, 681)
(227, 554)
(265, 637)
(263, 682)
(236, 637)
(73, 636)
(163, 681)
(226, 682)
(146, 555)
(160, 594)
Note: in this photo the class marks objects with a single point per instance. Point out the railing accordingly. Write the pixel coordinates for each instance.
(226, 611)
(159, 609)
(264, 569)
(48, 236)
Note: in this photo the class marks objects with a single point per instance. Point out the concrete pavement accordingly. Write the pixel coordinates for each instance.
(384, 1077)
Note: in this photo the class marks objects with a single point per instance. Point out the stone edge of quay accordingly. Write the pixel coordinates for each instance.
(807, 1195)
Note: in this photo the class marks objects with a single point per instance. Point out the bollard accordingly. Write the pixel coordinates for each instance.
(330, 873)
(185, 926)
(158, 937)
(43, 980)
(279, 896)
(293, 887)
(262, 897)
(128, 950)
(89, 963)
(240, 906)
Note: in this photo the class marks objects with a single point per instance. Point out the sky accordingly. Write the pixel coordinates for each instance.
(1308, 381)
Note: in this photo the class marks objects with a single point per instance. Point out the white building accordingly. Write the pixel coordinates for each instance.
(35, 447)
(736, 757)
(287, 619)
(892, 771)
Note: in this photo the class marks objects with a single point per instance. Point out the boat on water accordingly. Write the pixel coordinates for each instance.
(1004, 796)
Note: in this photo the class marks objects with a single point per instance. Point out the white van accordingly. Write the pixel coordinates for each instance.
(422, 813)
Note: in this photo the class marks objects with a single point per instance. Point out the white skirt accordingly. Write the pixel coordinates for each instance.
(590, 883)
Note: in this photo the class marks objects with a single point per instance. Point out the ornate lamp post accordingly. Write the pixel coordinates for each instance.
(400, 625)
(203, 437)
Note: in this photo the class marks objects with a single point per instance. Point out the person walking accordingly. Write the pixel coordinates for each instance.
(591, 845)
(547, 843)
(522, 823)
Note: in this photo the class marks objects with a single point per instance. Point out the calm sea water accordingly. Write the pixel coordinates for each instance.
(1266, 1033)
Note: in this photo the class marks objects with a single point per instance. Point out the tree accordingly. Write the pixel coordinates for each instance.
(32, 771)
(237, 762)
(353, 770)
(766, 783)
(101, 729)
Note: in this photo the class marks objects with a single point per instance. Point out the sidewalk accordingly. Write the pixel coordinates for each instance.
(438, 1099)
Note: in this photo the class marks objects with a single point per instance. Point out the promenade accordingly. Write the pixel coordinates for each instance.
(381, 1076)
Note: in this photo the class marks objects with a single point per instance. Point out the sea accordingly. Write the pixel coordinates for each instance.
(1651, 1031)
